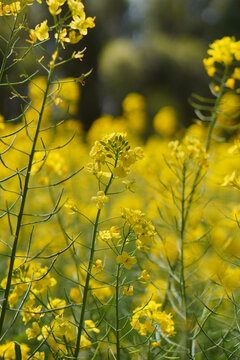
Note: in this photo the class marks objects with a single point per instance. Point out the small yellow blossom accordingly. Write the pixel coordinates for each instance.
(128, 290)
(77, 55)
(165, 121)
(70, 206)
(62, 36)
(81, 23)
(76, 295)
(34, 331)
(40, 33)
(232, 180)
(54, 58)
(31, 311)
(39, 356)
(230, 83)
(57, 303)
(10, 9)
(144, 276)
(98, 265)
(100, 199)
(126, 260)
(76, 7)
(156, 344)
(54, 7)
(236, 73)
(74, 37)
(130, 185)
(90, 326)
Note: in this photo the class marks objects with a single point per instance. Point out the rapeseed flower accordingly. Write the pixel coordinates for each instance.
(126, 260)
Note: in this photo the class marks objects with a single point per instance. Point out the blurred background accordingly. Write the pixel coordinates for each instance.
(152, 47)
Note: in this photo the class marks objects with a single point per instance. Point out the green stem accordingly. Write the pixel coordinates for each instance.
(182, 274)
(117, 315)
(208, 141)
(89, 269)
(8, 49)
(86, 286)
(217, 103)
(117, 329)
(22, 205)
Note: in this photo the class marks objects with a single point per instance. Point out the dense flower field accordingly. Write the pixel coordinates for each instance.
(114, 245)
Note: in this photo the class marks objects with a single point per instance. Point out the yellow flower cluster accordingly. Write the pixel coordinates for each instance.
(78, 26)
(31, 311)
(190, 150)
(232, 180)
(109, 235)
(60, 330)
(114, 152)
(223, 51)
(39, 276)
(228, 110)
(142, 227)
(100, 199)
(126, 260)
(153, 317)
(10, 9)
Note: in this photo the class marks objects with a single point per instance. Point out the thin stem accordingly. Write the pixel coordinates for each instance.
(208, 141)
(117, 315)
(22, 205)
(217, 103)
(89, 269)
(8, 50)
(182, 274)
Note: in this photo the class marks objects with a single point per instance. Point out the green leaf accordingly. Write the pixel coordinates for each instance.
(18, 351)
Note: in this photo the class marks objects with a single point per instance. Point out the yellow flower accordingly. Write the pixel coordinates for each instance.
(110, 235)
(74, 37)
(77, 55)
(126, 260)
(165, 121)
(31, 312)
(144, 276)
(55, 304)
(236, 73)
(222, 51)
(100, 199)
(70, 206)
(128, 290)
(228, 109)
(76, 295)
(76, 7)
(81, 23)
(34, 331)
(230, 83)
(209, 66)
(39, 356)
(130, 185)
(62, 37)
(10, 9)
(41, 31)
(152, 313)
(98, 265)
(54, 7)
(90, 326)
(7, 351)
(156, 344)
